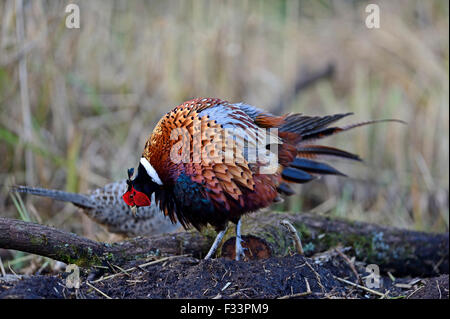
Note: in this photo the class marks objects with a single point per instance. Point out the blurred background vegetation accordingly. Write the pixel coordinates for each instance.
(76, 105)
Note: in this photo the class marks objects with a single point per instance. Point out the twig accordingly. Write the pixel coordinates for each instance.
(122, 270)
(2, 268)
(414, 281)
(317, 276)
(386, 294)
(13, 272)
(226, 285)
(436, 266)
(391, 276)
(294, 234)
(308, 288)
(299, 294)
(135, 281)
(403, 286)
(137, 267)
(409, 296)
(98, 290)
(359, 286)
(351, 265)
(439, 288)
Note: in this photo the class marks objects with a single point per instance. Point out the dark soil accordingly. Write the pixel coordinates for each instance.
(35, 287)
(187, 277)
(434, 288)
(193, 278)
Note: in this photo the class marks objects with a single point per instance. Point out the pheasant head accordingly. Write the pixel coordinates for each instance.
(144, 184)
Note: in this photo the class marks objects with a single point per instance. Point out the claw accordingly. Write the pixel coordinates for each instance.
(240, 253)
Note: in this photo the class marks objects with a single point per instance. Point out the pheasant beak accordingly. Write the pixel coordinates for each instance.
(134, 211)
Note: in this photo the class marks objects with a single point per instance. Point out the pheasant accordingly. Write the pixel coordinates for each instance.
(209, 161)
(106, 207)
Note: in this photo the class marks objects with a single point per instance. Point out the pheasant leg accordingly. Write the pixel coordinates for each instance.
(216, 243)
(239, 249)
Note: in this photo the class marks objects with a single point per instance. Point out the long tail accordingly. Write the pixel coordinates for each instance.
(297, 152)
(79, 200)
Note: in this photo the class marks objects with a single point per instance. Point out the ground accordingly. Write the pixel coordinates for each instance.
(292, 276)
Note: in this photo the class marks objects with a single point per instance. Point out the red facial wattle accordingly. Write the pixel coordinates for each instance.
(135, 198)
(140, 199)
(128, 199)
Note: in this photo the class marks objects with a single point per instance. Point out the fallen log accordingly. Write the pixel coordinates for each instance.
(402, 252)
(73, 249)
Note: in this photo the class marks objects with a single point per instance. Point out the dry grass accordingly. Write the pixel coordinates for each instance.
(95, 93)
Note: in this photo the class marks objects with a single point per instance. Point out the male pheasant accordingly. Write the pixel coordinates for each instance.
(209, 161)
(106, 207)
